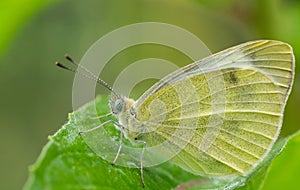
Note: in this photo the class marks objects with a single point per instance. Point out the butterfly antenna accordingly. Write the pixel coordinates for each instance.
(91, 77)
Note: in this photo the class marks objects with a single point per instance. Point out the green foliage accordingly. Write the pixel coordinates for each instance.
(284, 173)
(13, 14)
(66, 162)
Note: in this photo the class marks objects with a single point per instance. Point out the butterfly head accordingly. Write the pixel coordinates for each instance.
(120, 105)
(116, 104)
(123, 109)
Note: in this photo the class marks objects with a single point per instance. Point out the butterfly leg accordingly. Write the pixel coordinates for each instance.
(102, 124)
(141, 166)
(142, 157)
(120, 146)
(101, 116)
(117, 125)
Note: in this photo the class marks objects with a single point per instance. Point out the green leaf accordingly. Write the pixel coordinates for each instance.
(67, 162)
(285, 169)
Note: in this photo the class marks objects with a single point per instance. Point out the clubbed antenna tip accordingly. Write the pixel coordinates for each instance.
(68, 57)
(91, 75)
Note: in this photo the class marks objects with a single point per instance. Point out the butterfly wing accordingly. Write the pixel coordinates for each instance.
(221, 115)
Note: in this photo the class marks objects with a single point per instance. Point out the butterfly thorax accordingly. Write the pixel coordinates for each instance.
(123, 109)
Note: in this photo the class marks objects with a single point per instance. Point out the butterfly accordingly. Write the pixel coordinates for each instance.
(219, 116)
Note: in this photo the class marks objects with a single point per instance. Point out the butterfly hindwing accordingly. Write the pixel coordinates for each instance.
(221, 115)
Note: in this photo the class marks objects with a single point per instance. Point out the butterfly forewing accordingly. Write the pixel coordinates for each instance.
(221, 115)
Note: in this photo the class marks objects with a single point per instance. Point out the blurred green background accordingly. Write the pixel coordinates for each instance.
(36, 96)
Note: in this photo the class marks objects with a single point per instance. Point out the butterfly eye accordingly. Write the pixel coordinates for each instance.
(118, 106)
